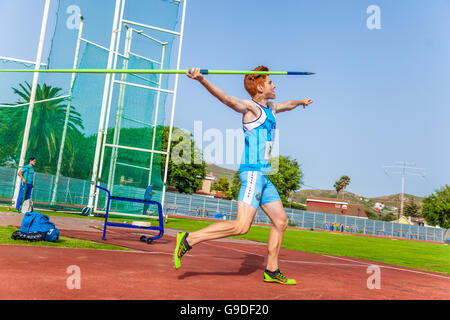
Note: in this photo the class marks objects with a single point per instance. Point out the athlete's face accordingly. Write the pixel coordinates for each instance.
(269, 89)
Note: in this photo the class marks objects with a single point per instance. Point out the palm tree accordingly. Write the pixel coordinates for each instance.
(341, 184)
(46, 126)
(338, 186)
(345, 180)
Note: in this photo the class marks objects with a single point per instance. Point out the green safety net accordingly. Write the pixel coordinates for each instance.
(64, 131)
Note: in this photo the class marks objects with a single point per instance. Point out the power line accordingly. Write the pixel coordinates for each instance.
(404, 166)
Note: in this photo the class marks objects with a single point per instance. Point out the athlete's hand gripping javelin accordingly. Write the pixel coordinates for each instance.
(194, 73)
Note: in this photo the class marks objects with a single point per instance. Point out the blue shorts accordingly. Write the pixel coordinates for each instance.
(256, 189)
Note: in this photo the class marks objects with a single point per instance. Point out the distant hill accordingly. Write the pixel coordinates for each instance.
(394, 200)
(391, 200)
(220, 172)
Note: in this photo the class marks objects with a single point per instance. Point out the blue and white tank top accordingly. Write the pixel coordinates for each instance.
(259, 138)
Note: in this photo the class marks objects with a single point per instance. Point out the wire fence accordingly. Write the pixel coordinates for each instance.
(74, 193)
(213, 208)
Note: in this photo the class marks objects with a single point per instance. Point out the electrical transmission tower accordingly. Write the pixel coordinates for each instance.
(404, 169)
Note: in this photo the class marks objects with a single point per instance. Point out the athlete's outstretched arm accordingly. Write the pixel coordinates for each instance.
(291, 104)
(234, 103)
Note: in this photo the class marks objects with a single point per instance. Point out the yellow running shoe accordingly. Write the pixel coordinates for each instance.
(181, 249)
(278, 277)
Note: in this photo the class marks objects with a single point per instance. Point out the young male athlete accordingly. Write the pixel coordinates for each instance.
(27, 184)
(259, 123)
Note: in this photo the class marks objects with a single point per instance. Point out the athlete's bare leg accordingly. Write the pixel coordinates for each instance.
(219, 230)
(275, 211)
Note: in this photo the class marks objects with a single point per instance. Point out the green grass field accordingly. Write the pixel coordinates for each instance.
(414, 254)
(420, 255)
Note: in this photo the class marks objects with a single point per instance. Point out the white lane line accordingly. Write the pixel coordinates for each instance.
(291, 261)
(389, 267)
(345, 259)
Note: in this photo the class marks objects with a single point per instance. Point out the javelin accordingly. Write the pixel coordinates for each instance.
(160, 71)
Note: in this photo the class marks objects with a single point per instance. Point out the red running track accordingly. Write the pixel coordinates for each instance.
(215, 270)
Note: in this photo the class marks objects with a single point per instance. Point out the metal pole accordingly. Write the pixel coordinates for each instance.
(38, 101)
(314, 221)
(156, 113)
(82, 194)
(111, 88)
(51, 183)
(303, 219)
(26, 133)
(14, 182)
(21, 60)
(67, 189)
(101, 125)
(403, 191)
(173, 104)
(117, 127)
(63, 139)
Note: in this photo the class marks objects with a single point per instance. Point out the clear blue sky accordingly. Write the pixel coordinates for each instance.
(380, 95)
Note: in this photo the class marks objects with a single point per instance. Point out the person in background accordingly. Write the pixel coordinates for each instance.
(148, 196)
(27, 183)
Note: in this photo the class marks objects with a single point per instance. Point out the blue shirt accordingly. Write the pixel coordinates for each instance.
(259, 138)
(148, 193)
(30, 170)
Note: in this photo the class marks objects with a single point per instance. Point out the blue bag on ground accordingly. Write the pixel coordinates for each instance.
(37, 222)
